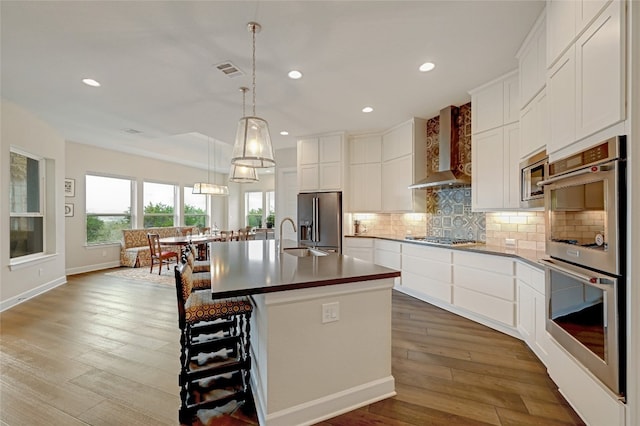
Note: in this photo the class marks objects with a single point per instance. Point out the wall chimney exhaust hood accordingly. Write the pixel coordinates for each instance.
(448, 172)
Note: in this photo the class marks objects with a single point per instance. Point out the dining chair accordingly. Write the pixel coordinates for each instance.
(186, 231)
(214, 347)
(242, 234)
(226, 235)
(159, 257)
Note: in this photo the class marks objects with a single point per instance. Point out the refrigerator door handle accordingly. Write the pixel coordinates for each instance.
(316, 216)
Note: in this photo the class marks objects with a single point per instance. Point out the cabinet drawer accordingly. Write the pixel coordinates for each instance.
(487, 282)
(500, 265)
(427, 252)
(488, 306)
(427, 268)
(393, 246)
(427, 286)
(363, 253)
(358, 242)
(533, 277)
(387, 259)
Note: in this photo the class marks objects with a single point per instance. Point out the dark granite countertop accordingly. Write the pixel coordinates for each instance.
(241, 268)
(530, 256)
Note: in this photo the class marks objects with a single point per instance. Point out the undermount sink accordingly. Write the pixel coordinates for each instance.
(304, 251)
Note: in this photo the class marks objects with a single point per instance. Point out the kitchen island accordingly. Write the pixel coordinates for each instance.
(320, 331)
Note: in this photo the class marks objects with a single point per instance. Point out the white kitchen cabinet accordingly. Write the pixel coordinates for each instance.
(534, 126)
(531, 320)
(495, 173)
(365, 149)
(532, 60)
(365, 187)
(388, 253)
(365, 173)
(561, 102)
(321, 163)
(566, 20)
(361, 248)
(427, 272)
(495, 103)
(586, 85)
(600, 73)
(485, 285)
(400, 169)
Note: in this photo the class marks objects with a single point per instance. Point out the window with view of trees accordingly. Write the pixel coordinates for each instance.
(255, 203)
(195, 208)
(108, 208)
(159, 204)
(26, 205)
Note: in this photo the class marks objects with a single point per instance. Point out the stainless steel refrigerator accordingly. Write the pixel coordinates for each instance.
(320, 220)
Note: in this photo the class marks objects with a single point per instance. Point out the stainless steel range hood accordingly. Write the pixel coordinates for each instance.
(448, 172)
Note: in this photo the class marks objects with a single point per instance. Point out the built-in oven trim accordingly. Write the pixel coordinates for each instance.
(528, 200)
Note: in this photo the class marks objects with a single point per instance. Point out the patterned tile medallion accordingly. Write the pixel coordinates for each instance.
(449, 214)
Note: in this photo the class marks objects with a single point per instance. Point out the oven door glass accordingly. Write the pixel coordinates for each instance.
(578, 215)
(582, 316)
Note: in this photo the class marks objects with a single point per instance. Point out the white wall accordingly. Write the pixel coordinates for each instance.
(23, 130)
(82, 159)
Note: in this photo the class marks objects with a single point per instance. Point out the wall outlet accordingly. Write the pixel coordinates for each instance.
(40, 271)
(510, 243)
(330, 312)
(104, 253)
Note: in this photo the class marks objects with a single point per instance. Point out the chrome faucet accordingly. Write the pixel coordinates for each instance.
(281, 225)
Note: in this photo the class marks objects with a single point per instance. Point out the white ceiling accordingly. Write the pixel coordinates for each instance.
(155, 60)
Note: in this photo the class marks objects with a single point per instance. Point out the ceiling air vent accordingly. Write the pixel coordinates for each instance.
(132, 131)
(229, 69)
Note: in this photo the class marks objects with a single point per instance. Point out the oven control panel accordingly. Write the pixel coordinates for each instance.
(594, 155)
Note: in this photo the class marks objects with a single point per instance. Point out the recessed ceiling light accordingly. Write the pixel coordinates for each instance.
(284, 133)
(427, 66)
(367, 109)
(295, 74)
(90, 82)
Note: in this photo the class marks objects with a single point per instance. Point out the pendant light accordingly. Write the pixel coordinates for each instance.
(207, 187)
(253, 144)
(243, 174)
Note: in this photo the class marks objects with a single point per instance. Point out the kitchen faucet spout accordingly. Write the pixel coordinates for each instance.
(286, 219)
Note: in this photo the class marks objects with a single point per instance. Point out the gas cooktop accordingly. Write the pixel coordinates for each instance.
(443, 241)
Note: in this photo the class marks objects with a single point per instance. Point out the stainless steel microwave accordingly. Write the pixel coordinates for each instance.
(532, 171)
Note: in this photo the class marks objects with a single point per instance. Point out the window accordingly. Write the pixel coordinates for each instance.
(159, 204)
(255, 211)
(26, 205)
(195, 208)
(108, 208)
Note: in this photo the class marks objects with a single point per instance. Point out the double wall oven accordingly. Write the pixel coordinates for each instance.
(585, 239)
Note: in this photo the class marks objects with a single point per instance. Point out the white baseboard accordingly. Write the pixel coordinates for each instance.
(16, 300)
(324, 408)
(91, 268)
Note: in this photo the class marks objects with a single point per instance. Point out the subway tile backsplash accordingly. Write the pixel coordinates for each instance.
(527, 228)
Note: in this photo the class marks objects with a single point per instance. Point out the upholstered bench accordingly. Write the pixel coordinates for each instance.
(134, 247)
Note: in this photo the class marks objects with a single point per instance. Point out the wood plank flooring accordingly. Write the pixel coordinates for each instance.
(103, 350)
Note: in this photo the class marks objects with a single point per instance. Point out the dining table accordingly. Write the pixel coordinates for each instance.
(182, 240)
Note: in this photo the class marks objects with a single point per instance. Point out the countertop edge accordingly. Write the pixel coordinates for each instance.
(531, 257)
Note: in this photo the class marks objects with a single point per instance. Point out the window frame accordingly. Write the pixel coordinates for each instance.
(175, 217)
(132, 198)
(207, 210)
(42, 210)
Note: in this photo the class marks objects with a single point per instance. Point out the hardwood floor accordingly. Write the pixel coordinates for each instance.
(103, 350)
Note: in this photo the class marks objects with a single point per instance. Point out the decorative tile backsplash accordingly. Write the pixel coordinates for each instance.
(449, 214)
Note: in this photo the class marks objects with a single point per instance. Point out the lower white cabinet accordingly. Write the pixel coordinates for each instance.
(427, 271)
(387, 253)
(361, 248)
(531, 309)
(485, 285)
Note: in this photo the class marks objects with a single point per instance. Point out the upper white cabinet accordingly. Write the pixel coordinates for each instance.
(586, 84)
(403, 163)
(495, 152)
(321, 163)
(365, 173)
(534, 126)
(532, 60)
(495, 103)
(566, 20)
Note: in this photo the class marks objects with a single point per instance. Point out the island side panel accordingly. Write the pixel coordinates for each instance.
(306, 370)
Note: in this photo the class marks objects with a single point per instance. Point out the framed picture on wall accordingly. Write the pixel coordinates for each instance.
(69, 187)
(68, 209)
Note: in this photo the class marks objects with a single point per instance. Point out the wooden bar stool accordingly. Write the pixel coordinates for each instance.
(214, 359)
